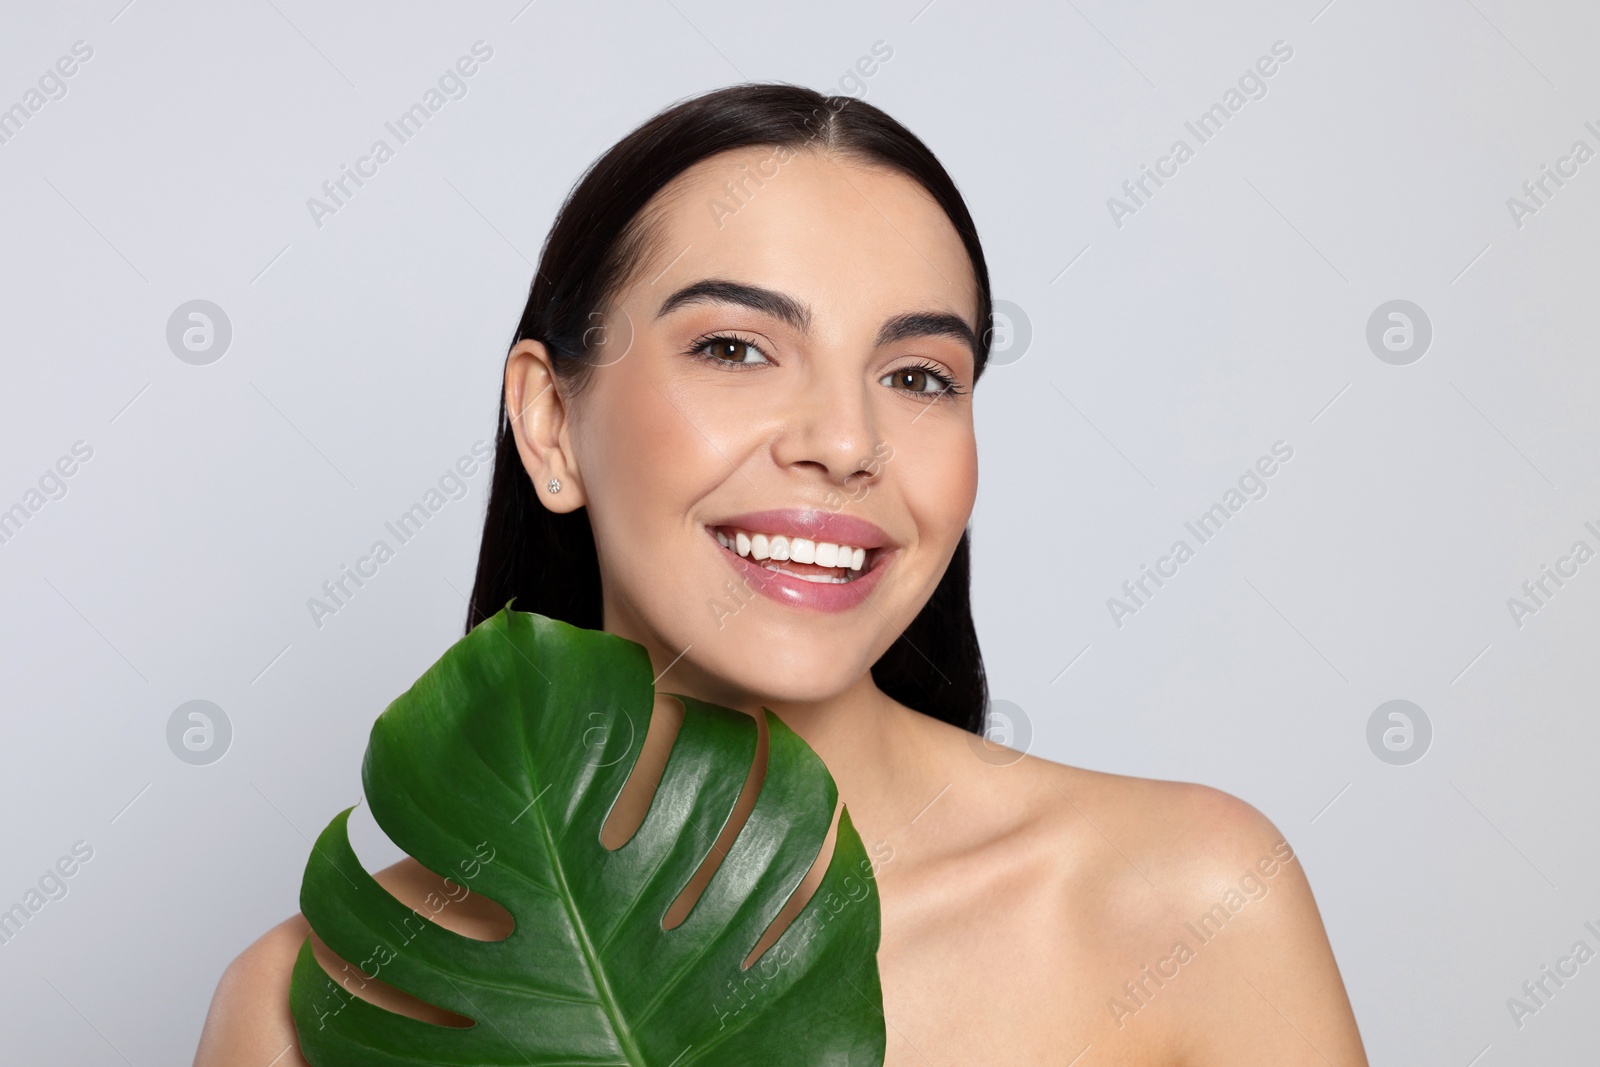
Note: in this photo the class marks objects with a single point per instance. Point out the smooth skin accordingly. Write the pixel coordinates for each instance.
(1032, 912)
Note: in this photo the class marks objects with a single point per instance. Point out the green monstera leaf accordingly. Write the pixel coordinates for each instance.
(497, 769)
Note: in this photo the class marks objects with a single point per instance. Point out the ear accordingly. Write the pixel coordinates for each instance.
(539, 422)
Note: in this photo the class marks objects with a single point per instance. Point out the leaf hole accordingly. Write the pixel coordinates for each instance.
(802, 893)
(452, 900)
(633, 802)
(686, 898)
(362, 981)
(449, 902)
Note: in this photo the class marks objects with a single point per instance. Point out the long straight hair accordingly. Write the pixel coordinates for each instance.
(547, 561)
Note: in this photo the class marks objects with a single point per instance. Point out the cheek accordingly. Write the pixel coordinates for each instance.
(647, 453)
(939, 479)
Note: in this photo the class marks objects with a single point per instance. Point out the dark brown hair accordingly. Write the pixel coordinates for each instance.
(600, 238)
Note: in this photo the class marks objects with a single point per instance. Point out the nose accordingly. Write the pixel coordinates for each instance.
(829, 427)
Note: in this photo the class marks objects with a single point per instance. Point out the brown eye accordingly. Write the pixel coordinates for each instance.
(921, 379)
(729, 350)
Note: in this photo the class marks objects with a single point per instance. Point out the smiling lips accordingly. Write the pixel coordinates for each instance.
(806, 559)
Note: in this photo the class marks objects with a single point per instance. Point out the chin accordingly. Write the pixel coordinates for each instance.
(750, 650)
(800, 676)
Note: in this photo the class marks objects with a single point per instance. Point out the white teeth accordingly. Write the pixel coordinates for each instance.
(780, 547)
(821, 579)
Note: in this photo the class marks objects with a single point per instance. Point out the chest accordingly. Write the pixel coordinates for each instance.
(1000, 968)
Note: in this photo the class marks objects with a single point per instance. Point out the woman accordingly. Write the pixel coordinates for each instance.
(737, 428)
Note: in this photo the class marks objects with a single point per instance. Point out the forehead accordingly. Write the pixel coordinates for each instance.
(853, 240)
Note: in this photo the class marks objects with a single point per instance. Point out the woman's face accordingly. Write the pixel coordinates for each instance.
(778, 371)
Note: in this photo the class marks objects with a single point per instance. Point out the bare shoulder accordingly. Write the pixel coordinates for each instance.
(1197, 882)
(1185, 835)
(1191, 930)
(249, 1020)
(1176, 833)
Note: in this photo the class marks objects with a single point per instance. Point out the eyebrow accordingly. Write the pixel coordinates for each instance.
(797, 315)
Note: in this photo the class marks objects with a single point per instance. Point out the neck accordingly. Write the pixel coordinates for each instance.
(867, 741)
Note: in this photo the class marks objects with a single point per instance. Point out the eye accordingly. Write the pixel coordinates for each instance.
(922, 379)
(728, 349)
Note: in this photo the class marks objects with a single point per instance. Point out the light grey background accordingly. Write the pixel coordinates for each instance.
(1167, 354)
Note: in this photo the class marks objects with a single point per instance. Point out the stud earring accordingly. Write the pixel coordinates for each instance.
(555, 485)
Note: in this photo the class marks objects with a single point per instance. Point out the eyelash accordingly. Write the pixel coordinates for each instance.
(947, 384)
